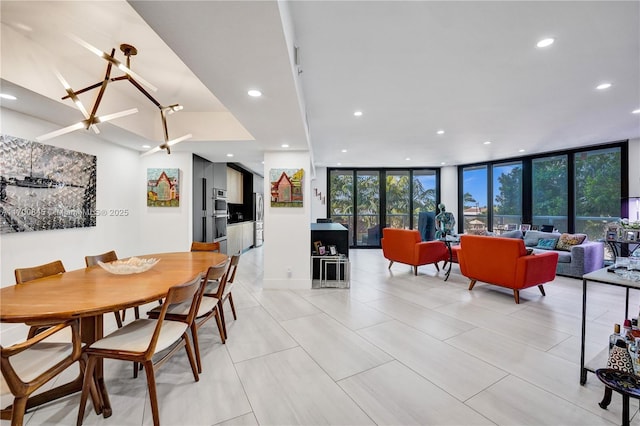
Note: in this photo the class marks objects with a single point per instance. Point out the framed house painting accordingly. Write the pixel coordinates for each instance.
(286, 187)
(163, 187)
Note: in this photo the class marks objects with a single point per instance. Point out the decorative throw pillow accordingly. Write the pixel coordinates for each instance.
(547, 243)
(567, 241)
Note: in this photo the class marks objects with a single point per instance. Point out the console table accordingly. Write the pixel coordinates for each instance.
(600, 276)
(330, 234)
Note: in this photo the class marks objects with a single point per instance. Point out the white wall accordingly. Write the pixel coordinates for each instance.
(121, 184)
(287, 231)
(449, 188)
(318, 208)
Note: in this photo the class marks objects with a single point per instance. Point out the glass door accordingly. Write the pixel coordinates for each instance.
(368, 230)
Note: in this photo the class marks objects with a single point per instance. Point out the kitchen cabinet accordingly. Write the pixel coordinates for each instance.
(234, 238)
(235, 193)
(247, 235)
(239, 237)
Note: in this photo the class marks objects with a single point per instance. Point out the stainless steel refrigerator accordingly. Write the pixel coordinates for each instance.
(258, 216)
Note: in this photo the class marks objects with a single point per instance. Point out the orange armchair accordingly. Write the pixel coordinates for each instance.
(504, 262)
(406, 246)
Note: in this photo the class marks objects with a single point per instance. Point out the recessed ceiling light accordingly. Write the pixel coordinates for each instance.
(358, 113)
(487, 142)
(521, 150)
(254, 93)
(545, 42)
(443, 163)
(229, 155)
(636, 111)
(440, 132)
(339, 164)
(344, 150)
(285, 145)
(408, 159)
(146, 146)
(7, 96)
(603, 86)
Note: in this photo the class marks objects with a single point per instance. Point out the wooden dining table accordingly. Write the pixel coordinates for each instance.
(89, 293)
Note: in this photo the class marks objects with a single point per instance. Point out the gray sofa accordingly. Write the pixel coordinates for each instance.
(582, 258)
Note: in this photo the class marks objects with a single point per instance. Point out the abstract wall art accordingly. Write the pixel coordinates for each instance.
(43, 187)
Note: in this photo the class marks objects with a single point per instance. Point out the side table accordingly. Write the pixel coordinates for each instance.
(628, 385)
(448, 240)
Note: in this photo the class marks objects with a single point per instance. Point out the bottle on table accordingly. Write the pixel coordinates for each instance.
(615, 336)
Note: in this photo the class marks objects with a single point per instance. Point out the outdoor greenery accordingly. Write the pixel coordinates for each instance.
(366, 194)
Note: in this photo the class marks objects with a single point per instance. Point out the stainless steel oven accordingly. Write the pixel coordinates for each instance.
(220, 207)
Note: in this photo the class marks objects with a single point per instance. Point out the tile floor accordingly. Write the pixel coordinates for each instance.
(395, 349)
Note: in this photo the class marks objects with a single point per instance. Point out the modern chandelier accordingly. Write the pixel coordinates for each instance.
(91, 119)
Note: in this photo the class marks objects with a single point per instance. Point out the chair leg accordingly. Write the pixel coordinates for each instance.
(390, 263)
(196, 347)
(96, 398)
(192, 361)
(220, 327)
(118, 319)
(437, 267)
(19, 407)
(233, 307)
(415, 270)
(516, 295)
(471, 284)
(86, 386)
(541, 287)
(224, 323)
(153, 395)
(136, 312)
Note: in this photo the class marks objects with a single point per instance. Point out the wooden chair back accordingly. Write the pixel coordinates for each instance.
(187, 292)
(216, 273)
(15, 373)
(109, 256)
(40, 271)
(233, 267)
(198, 246)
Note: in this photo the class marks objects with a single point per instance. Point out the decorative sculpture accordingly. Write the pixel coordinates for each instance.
(445, 222)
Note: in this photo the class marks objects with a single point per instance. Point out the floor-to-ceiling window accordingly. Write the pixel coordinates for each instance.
(550, 196)
(598, 193)
(340, 201)
(474, 198)
(507, 195)
(367, 208)
(367, 200)
(397, 199)
(424, 193)
(575, 191)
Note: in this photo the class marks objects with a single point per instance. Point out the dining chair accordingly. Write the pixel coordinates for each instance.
(28, 365)
(110, 256)
(223, 293)
(33, 273)
(140, 340)
(208, 308)
(198, 246)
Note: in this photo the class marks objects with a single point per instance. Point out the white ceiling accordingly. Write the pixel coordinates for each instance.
(414, 67)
